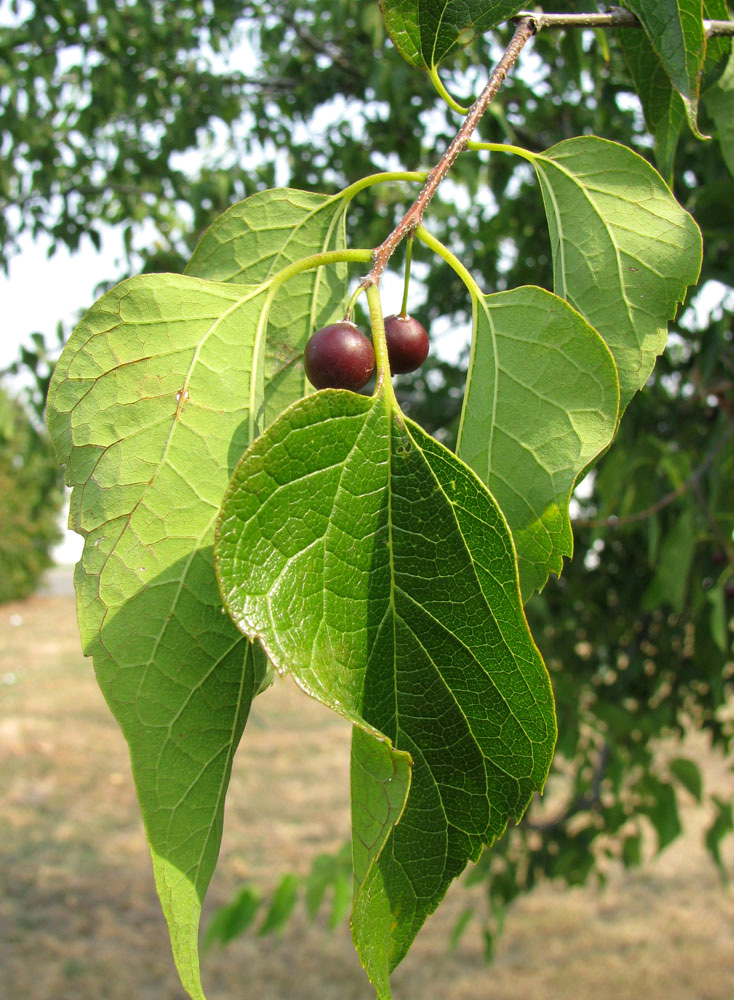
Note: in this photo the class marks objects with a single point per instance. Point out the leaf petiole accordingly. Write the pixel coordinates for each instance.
(501, 147)
(444, 94)
(443, 251)
(379, 342)
(317, 260)
(386, 177)
(275, 283)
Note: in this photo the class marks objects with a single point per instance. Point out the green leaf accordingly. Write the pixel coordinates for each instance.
(152, 401)
(228, 922)
(689, 775)
(676, 33)
(318, 881)
(541, 403)
(457, 931)
(722, 826)
(341, 900)
(624, 251)
(719, 102)
(330, 871)
(665, 113)
(376, 567)
(632, 850)
(260, 236)
(670, 583)
(661, 809)
(380, 782)
(716, 597)
(718, 47)
(425, 31)
(284, 899)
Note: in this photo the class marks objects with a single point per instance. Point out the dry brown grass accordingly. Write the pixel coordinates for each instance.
(79, 918)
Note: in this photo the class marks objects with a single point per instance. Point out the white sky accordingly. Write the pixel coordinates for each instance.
(39, 291)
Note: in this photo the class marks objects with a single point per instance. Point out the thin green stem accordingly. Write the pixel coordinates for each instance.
(502, 147)
(379, 342)
(316, 260)
(444, 94)
(353, 301)
(443, 251)
(406, 279)
(476, 295)
(385, 177)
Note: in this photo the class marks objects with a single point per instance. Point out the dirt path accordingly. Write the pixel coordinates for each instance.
(79, 919)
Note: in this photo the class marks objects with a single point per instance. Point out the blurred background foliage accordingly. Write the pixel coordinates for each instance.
(156, 117)
(31, 496)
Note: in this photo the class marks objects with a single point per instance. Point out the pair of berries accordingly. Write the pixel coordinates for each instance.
(341, 357)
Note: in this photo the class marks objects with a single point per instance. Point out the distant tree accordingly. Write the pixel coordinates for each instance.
(31, 496)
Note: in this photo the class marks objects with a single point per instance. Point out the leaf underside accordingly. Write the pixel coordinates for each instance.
(624, 251)
(665, 113)
(541, 403)
(146, 439)
(376, 568)
(158, 392)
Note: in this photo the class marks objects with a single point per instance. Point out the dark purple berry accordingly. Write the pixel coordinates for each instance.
(407, 344)
(339, 357)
